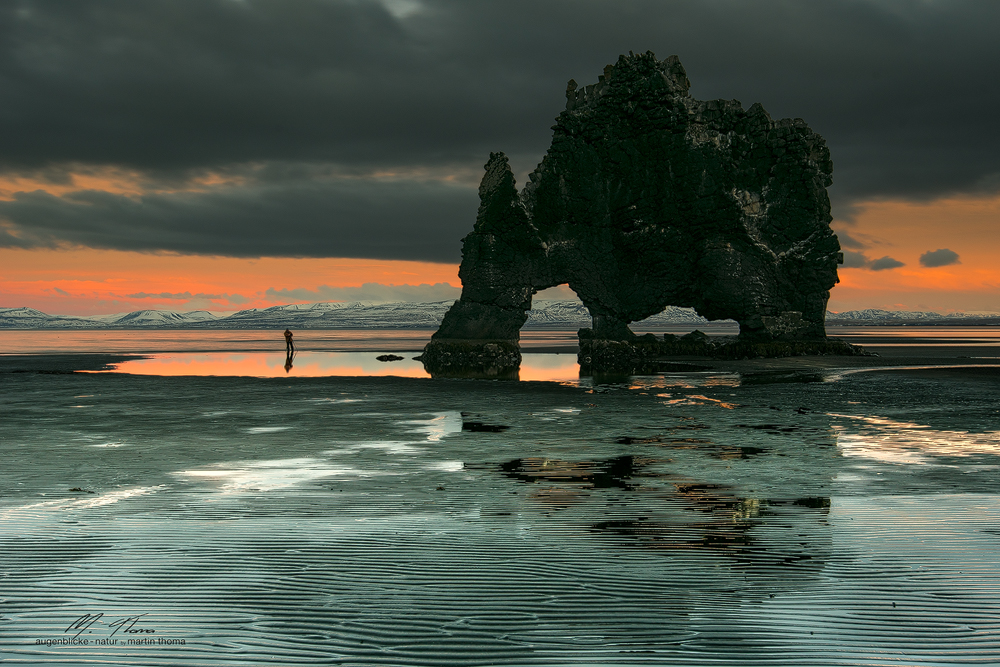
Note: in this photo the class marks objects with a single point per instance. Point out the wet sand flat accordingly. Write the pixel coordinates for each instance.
(806, 511)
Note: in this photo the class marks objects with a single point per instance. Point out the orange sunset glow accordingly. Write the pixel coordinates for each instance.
(91, 282)
(84, 281)
(906, 230)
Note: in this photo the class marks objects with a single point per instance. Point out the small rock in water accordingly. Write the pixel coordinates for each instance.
(389, 357)
(629, 440)
(480, 427)
(77, 489)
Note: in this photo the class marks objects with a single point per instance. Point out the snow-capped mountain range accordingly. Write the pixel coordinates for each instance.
(543, 315)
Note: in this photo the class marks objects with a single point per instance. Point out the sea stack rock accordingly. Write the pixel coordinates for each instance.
(649, 198)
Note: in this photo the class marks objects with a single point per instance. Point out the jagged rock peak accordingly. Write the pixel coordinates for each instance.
(629, 73)
(498, 174)
(500, 208)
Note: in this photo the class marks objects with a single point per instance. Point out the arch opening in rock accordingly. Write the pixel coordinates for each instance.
(648, 198)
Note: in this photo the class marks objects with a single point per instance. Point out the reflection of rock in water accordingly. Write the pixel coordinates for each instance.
(633, 440)
(611, 473)
(754, 494)
(780, 377)
(720, 520)
(770, 428)
(686, 514)
(744, 452)
(723, 451)
(712, 449)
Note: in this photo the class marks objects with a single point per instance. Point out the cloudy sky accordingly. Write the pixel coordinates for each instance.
(229, 153)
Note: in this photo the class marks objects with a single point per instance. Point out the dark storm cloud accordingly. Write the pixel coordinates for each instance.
(884, 263)
(848, 241)
(854, 260)
(340, 218)
(904, 92)
(939, 257)
(858, 260)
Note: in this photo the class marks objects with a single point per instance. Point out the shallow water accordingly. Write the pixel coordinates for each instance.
(59, 341)
(56, 341)
(554, 367)
(682, 519)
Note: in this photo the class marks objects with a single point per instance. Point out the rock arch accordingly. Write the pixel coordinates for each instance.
(649, 198)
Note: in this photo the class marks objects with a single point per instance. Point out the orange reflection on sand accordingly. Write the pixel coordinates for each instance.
(269, 364)
(549, 367)
(539, 367)
(686, 381)
(695, 399)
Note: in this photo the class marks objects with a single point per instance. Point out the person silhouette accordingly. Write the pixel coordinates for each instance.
(289, 346)
(288, 362)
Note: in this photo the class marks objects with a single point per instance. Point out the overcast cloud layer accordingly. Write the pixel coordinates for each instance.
(358, 128)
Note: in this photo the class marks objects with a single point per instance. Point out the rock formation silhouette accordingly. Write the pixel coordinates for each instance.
(646, 198)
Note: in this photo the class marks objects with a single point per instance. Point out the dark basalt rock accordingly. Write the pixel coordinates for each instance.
(455, 358)
(645, 356)
(648, 198)
(481, 427)
(389, 357)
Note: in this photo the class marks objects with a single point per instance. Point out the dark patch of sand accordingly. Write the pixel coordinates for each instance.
(57, 364)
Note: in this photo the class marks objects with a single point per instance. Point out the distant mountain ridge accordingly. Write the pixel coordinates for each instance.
(879, 316)
(405, 315)
(359, 315)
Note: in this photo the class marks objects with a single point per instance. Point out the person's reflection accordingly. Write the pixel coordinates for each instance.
(288, 361)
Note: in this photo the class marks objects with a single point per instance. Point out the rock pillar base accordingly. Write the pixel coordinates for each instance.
(649, 355)
(457, 358)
